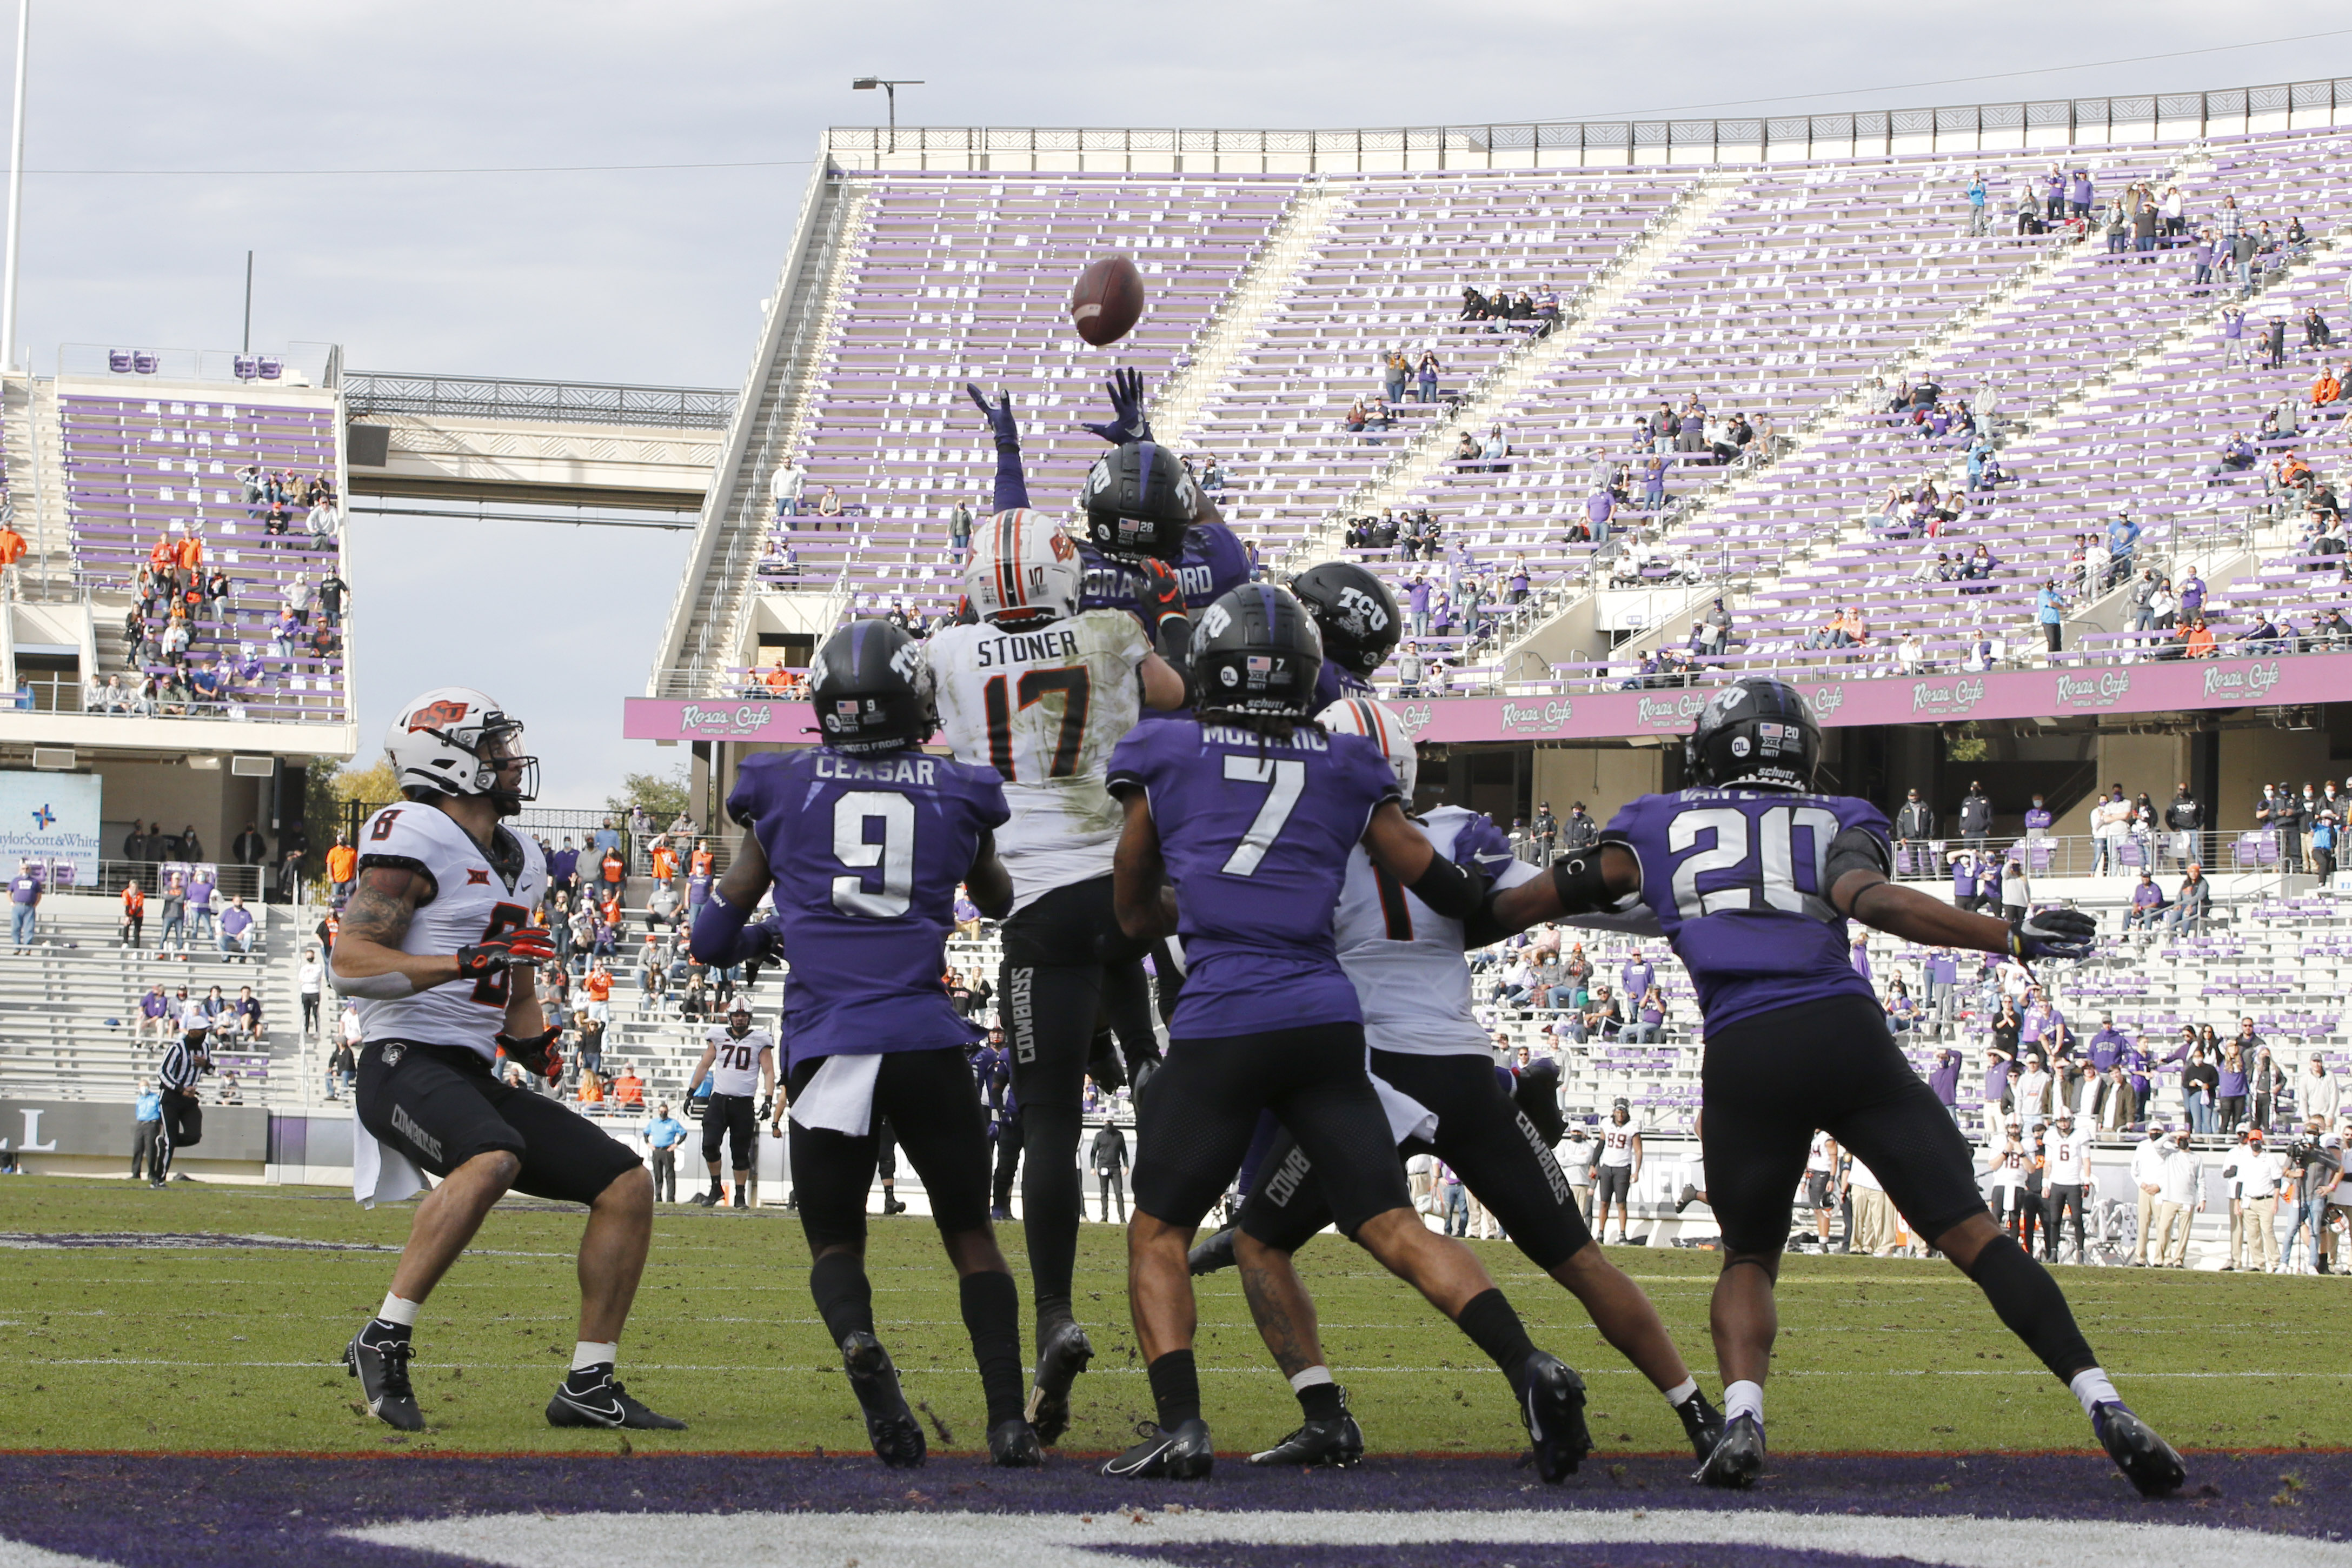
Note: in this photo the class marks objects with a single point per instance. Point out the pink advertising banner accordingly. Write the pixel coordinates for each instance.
(1940, 699)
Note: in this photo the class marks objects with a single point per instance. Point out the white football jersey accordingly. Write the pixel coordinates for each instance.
(1817, 1156)
(2009, 1169)
(1043, 708)
(1617, 1142)
(1406, 958)
(472, 901)
(2062, 1157)
(735, 1064)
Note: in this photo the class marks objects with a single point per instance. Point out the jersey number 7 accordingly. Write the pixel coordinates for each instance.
(1287, 777)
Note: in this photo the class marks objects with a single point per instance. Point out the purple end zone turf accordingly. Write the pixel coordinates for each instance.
(201, 1509)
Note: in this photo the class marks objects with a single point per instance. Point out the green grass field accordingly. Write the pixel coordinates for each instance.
(236, 1348)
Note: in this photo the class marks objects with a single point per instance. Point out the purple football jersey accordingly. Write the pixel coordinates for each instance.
(1332, 683)
(1255, 834)
(1213, 561)
(1735, 877)
(867, 854)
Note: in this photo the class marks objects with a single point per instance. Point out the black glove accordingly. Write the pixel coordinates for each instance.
(531, 944)
(2053, 933)
(1128, 422)
(536, 1056)
(999, 416)
(767, 1102)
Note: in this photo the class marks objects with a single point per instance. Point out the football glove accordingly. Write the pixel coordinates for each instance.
(1128, 423)
(531, 944)
(2053, 933)
(999, 416)
(1160, 594)
(767, 1103)
(536, 1056)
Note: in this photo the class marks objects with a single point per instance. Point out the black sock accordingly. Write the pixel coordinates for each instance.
(1321, 1401)
(843, 1298)
(992, 1311)
(1175, 1389)
(2032, 1305)
(1494, 1327)
(1052, 1203)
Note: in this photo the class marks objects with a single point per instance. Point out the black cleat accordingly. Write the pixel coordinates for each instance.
(1182, 1454)
(1738, 1455)
(1551, 1403)
(1336, 1445)
(2147, 1460)
(1702, 1423)
(380, 1360)
(1063, 1352)
(1013, 1446)
(703, 1200)
(739, 1199)
(593, 1397)
(891, 1427)
(1214, 1254)
(1689, 1196)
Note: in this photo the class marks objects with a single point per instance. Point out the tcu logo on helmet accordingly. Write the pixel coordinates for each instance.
(1360, 612)
(1215, 621)
(904, 662)
(436, 716)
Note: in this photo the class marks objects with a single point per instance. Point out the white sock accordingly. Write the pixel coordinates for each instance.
(1309, 1378)
(2091, 1388)
(1743, 1398)
(1680, 1393)
(592, 1353)
(397, 1311)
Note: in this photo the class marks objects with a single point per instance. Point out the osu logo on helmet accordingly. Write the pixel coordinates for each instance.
(436, 715)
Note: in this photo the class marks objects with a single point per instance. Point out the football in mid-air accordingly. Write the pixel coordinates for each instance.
(1106, 301)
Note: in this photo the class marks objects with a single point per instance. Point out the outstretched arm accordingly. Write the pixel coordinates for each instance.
(988, 882)
(1404, 852)
(718, 937)
(1865, 894)
(1012, 491)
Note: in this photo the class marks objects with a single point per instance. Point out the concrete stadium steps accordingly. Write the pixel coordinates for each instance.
(70, 1010)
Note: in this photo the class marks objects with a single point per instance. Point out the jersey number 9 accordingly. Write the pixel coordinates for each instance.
(895, 854)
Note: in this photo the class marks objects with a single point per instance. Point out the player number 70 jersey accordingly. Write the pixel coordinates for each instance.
(735, 1064)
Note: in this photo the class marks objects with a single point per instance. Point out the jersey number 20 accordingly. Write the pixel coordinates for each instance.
(1768, 866)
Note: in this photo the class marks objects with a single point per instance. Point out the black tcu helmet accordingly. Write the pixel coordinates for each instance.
(1354, 611)
(1255, 650)
(1139, 499)
(1757, 732)
(864, 690)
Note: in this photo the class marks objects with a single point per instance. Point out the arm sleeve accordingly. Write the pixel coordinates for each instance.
(1857, 848)
(1012, 492)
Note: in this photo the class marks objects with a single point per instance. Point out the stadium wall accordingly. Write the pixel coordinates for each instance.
(2055, 123)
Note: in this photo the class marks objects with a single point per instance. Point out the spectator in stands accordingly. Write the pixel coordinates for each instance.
(2192, 903)
(828, 504)
(1903, 1014)
(2146, 904)
(2318, 1092)
(2015, 891)
(237, 930)
(2229, 1096)
(1601, 1019)
(2198, 641)
(1915, 827)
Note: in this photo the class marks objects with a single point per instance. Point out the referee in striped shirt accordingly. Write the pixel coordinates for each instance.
(183, 1119)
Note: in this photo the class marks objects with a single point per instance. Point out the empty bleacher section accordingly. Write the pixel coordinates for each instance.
(1798, 293)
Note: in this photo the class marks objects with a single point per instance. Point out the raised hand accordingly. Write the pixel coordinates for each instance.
(1128, 422)
(999, 415)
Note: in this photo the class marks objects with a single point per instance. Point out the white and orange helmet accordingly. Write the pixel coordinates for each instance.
(1377, 723)
(1023, 567)
(454, 740)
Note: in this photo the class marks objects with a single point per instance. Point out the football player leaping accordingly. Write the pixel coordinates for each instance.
(864, 840)
(1252, 813)
(1040, 691)
(738, 1058)
(1753, 877)
(437, 946)
(1406, 963)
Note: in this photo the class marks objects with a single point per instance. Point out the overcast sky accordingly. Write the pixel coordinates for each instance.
(656, 276)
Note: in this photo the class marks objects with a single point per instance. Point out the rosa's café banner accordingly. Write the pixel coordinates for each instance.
(2165, 688)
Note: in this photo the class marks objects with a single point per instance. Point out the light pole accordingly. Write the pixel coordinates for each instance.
(15, 193)
(866, 84)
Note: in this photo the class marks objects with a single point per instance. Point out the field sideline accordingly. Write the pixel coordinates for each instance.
(206, 1347)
